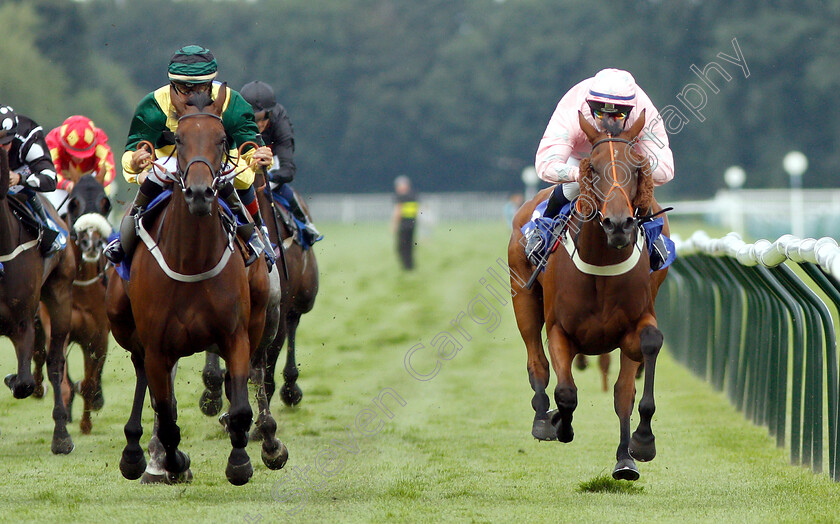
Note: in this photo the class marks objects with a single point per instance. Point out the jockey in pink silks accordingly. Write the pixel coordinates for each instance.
(610, 101)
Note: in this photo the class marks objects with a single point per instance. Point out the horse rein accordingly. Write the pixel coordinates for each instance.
(614, 185)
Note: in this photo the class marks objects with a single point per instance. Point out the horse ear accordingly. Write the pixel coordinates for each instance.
(105, 206)
(587, 128)
(219, 103)
(637, 126)
(177, 101)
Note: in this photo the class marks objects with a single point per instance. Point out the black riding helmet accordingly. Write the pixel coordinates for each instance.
(259, 95)
(8, 124)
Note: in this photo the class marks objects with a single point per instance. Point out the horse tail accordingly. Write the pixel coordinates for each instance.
(4, 173)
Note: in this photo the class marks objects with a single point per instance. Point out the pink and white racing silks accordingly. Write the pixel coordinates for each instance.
(564, 144)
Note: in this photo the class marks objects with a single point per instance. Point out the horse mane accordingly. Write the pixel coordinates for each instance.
(644, 187)
(199, 100)
(588, 199)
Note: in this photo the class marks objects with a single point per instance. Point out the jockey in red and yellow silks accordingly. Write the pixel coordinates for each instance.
(79, 148)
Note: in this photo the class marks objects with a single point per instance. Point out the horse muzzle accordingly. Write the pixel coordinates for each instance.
(620, 231)
(199, 198)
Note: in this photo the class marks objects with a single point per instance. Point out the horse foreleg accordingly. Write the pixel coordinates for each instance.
(240, 416)
(133, 461)
(213, 376)
(39, 359)
(160, 376)
(565, 393)
(529, 318)
(290, 393)
(624, 395)
(91, 386)
(604, 365)
(642, 444)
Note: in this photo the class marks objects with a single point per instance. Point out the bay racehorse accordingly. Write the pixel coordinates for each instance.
(298, 271)
(596, 294)
(28, 279)
(88, 207)
(190, 293)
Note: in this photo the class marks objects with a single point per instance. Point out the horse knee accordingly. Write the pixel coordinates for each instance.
(651, 341)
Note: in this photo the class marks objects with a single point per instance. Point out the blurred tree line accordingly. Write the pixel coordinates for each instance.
(453, 93)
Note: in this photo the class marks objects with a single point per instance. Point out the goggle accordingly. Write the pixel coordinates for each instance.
(186, 88)
(600, 113)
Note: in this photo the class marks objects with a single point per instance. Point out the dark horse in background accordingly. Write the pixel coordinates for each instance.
(88, 207)
(597, 294)
(191, 293)
(298, 271)
(27, 280)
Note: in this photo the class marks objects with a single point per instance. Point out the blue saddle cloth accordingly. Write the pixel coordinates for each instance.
(124, 267)
(305, 240)
(652, 231)
(63, 234)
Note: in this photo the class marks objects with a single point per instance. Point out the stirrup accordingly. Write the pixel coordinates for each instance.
(49, 242)
(534, 248)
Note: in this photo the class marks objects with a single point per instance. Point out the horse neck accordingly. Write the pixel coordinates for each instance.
(190, 242)
(9, 228)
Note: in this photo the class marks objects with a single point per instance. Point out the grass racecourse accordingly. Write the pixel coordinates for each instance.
(440, 436)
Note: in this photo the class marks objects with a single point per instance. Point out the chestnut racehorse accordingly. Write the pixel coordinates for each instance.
(27, 279)
(596, 294)
(191, 293)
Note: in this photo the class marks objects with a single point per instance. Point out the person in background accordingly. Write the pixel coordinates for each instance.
(278, 134)
(513, 204)
(31, 168)
(78, 148)
(404, 220)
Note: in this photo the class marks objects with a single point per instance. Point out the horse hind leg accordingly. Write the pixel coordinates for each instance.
(625, 391)
(274, 453)
(176, 462)
(213, 376)
(39, 359)
(642, 444)
(91, 387)
(290, 392)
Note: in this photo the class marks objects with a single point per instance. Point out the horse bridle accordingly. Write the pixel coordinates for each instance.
(218, 174)
(614, 185)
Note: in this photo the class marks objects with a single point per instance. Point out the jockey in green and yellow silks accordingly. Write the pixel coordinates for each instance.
(191, 69)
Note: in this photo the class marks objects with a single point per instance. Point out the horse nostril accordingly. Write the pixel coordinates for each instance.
(208, 193)
(629, 224)
(188, 193)
(608, 225)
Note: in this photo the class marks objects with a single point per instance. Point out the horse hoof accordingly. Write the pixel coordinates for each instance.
(98, 401)
(62, 446)
(20, 389)
(626, 469)
(210, 405)
(543, 430)
(290, 395)
(563, 431)
(239, 474)
(277, 459)
(153, 478)
(131, 470)
(642, 449)
(184, 477)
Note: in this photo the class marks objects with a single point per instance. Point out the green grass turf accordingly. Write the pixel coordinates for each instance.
(458, 450)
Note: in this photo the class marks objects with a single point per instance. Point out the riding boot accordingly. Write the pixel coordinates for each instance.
(49, 237)
(122, 248)
(264, 238)
(659, 254)
(534, 246)
(312, 234)
(245, 229)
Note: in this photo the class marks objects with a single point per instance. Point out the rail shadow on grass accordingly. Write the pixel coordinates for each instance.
(606, 484)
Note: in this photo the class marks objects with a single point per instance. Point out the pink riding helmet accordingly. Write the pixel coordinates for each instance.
(613, 86)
